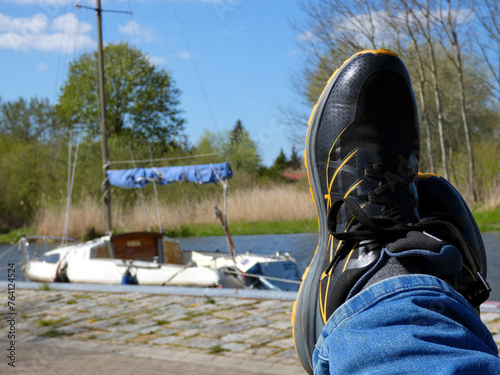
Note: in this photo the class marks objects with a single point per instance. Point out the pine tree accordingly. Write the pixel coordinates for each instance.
(295, 161)
(281, 161)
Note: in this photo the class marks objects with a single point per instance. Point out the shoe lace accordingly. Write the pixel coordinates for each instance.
(394, 175)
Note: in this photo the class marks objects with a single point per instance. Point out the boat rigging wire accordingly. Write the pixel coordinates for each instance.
(141, 196)
(163, 159)
(257, 276)
(9, 250)
(71, 179)
(156, 194)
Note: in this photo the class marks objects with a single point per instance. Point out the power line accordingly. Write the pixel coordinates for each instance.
(194, 66)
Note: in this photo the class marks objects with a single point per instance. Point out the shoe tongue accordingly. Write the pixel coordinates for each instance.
(432, 255)
(416, 240)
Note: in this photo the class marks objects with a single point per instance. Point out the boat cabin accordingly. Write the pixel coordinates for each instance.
(143, 246)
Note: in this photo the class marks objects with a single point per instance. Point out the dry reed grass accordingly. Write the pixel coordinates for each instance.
(275, 203)
(491, 200)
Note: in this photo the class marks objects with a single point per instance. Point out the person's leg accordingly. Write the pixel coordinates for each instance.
(362, 153)
(412, 324)
(416, 324)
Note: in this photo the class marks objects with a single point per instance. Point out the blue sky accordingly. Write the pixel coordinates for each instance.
(244, 50)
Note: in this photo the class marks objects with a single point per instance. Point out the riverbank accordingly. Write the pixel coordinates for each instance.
(227, 334)
(124, 333)
(487, 221)
(204, 229)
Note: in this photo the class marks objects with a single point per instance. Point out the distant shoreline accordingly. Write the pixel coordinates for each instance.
(204, 230)
(488, 221)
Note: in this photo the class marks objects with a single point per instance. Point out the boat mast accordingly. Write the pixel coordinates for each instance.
(103, 126)
(102, 102)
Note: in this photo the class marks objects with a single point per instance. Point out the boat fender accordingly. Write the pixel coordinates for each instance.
(61, 276)
(129, 279)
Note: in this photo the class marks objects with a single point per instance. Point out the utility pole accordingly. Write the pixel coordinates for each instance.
(102, 103)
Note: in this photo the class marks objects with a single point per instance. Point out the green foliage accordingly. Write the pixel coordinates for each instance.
(295, 161)
(53, 332)
(235, 146)
(23, 165)
(238, 133)
(488, 220)
(29, 138)
(482, 115)
(209, 300)
(141, 99)
(249, 228)
(162, 322)
(281, 162)
(217, 349)
(44, 287)
(33, 120)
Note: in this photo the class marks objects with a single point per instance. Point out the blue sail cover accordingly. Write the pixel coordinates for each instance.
(200, 174)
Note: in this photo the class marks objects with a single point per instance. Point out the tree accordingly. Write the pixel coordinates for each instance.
(295, 161)
(450, 23)
(141, 99)
(238, 133)
(454, 79)
(235, 146)
(33, 120)
(241, 150)
(281, 161)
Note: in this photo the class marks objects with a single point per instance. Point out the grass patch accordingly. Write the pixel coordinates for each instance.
(44, 287)
(246, 228)
(46, 322)
(131, 321)
(239, 228)
(16, 234)
(488, 220)
(71, 302)
(55, 333)
(162, 322)
(50, 322)
(217, 349)
(209, 300)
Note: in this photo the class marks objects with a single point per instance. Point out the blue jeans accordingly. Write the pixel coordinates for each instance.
(412, 324)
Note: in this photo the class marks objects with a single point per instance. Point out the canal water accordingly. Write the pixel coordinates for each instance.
(301, 246)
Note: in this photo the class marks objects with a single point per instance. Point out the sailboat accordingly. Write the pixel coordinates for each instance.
(148, 258)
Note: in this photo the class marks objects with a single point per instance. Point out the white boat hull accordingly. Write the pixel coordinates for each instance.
(153, 259)
(110, 271)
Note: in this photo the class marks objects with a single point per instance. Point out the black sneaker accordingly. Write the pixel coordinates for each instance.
(447, 216)
(362, 154)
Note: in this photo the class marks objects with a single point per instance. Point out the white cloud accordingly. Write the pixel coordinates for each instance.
(63, 33)
(39, 2)
(295, 52)
(156, 60)
(132, 28)
(184, 55)
(41, 66)
(306, 36)
(361, 27)
(32, 24)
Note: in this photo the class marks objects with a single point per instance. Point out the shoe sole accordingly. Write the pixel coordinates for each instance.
(306, 311)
